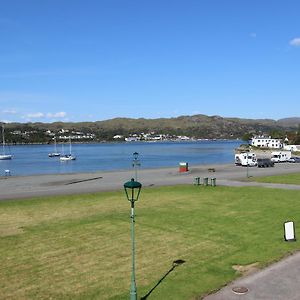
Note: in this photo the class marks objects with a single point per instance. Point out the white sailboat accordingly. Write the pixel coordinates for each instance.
(4, 156)
(68, 157)
(55, 153)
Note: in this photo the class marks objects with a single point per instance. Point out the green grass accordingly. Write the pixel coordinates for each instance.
(293, 178)
(78, 247)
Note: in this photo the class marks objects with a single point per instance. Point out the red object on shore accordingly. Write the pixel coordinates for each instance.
(183, 167)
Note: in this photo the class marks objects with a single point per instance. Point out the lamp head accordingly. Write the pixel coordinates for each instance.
(132, 189)
(135, 155)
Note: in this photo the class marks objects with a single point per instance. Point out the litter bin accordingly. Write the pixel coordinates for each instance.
(213, 181)
(205, 181)
(197, 181)
(183, 167)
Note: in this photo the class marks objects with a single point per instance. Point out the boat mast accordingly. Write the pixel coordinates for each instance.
(70, 145)
(55, 148)
(3, 140)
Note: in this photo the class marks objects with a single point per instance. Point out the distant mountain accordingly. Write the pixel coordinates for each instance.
(289, 122)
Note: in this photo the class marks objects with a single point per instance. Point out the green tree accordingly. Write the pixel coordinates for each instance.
(247, 136)
(297, 138)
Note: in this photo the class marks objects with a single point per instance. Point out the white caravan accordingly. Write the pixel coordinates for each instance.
(246, 159)
(280, 156)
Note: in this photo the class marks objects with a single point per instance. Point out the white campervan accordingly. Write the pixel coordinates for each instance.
(246, 159)
(280, 156)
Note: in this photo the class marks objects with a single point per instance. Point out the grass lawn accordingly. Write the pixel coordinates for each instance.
(78, 247)
(293, 178)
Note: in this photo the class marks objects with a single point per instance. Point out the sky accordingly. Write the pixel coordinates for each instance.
(92, 60)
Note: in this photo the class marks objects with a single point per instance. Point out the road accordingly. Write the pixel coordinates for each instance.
(13, 187)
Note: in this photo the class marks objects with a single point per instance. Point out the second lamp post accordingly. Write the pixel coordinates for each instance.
(135, 163)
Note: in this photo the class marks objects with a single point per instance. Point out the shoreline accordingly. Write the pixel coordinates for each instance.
(74, 141)
(22, 187)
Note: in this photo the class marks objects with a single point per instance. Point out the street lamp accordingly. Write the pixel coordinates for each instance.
(247, 163)
(135, 163)
(132, 189)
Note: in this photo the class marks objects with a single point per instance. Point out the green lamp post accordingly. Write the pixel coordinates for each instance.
(135, 163)
(132, 189)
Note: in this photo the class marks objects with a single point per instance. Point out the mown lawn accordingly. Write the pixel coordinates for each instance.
(78, 247)
(293, 178)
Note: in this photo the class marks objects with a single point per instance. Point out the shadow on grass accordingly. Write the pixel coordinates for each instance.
(175, 264)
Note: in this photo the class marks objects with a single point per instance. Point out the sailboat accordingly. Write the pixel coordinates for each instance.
(4, 156)
(55, 153)
(67, 157)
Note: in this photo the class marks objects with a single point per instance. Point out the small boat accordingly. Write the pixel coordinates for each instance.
(55, 153)
(68, 157)
(4, 156)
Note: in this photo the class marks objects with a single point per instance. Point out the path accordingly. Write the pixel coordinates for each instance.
(13, 187)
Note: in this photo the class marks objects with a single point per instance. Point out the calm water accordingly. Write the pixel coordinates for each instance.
(33, 159)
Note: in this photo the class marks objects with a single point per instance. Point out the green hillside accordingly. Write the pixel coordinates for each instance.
(197, 126)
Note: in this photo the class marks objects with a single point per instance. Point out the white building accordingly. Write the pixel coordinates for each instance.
(266, 142)
(292, 147)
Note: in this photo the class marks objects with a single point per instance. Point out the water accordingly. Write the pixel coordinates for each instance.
(33, 159)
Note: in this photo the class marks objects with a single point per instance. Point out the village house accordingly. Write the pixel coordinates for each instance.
(266, 142)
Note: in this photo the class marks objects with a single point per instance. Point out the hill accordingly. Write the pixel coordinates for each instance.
(197, 126)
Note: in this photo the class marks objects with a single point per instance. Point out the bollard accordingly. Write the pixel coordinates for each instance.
(205, 181)
(197, 181)
(213, 181)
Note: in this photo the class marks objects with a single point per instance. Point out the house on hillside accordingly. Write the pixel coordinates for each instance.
(261, 141)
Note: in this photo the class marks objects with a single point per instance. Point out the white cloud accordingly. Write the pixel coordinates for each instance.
(9, 111)
(60, 114)
(35, 115)
(39, 115)
(295, 42)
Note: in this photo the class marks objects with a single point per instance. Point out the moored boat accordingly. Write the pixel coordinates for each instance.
(68, 157)
(4, 156)
(55, 153)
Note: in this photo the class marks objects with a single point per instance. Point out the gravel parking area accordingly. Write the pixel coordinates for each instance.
(13, 187)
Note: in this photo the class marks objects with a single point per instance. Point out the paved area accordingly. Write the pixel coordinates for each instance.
(13, 187)
(280, 281)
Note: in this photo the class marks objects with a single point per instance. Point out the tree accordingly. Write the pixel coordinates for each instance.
(297, 139)
(247, 136)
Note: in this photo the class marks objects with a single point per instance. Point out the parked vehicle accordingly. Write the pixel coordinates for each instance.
(264, 163)
(246, 159)
(294, 160)
(281, 156)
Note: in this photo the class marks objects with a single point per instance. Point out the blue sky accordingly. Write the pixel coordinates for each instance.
(75, 60)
